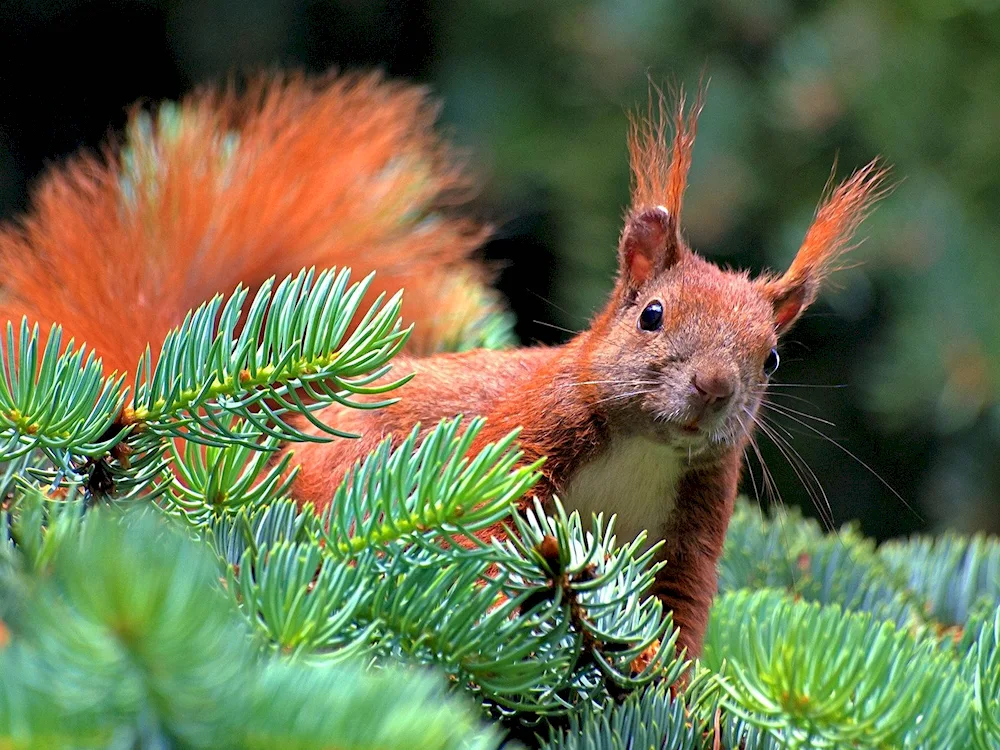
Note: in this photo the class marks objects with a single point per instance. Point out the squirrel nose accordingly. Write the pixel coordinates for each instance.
(712, 388)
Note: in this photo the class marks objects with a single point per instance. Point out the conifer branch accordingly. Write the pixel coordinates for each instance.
(129, 640)
(552, 557)
(984, 661)
(207, 481)
(793, 553)
(951, 572)
(868, 684)
(294, 340)
(57, 400)
(650, 719)
(425, 488)
(381, 574)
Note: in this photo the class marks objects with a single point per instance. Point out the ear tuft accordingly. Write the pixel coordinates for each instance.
(660, 145)
(828, 238)
(649, 245)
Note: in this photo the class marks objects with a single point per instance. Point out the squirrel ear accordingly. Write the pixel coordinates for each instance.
(649, 245)
(790, 299)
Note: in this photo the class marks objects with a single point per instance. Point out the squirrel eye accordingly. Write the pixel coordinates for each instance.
(771, 363)
(651, 319)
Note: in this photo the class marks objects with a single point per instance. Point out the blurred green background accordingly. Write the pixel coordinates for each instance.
(538, 93)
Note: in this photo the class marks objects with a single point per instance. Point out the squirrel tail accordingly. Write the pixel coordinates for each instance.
(226, 188)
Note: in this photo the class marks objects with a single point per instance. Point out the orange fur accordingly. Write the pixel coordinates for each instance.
(829, 236)
(225, 189)
(659, 171)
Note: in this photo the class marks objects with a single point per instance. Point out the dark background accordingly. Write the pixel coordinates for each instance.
(538, 92)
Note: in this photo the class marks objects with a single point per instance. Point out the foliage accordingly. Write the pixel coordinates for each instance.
(123, 637)
(794, 668)
(954, 573)
(159, 588)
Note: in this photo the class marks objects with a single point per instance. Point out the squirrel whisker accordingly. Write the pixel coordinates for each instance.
(860, 462)
(769, 395)
(787, 411)
(806, 476)
(805, 385)
(619, 396)
(607, 382)
(767, 478)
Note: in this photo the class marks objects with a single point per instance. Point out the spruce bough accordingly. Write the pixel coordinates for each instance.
(158, 588)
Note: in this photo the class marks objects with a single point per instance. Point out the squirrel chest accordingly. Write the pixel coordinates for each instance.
(635, 479)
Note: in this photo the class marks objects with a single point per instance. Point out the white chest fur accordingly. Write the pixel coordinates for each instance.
(636, 480)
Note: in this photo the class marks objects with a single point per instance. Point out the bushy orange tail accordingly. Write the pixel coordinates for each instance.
(224, 189)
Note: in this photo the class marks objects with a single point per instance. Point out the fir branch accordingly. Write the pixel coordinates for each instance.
(951, 572)
(128, 640)
(294, 341)
(232, 534)
(764, 551)
(984, 662)
(127, 630)
(388, 605)
(57, 400)
(426, 487)
(651, 719)
(207, 481)
(303, 603)
(305, 706)
(295, 353)
(793, 553)
(381, 574)
(657, 717)
(867, 684)
(40, 526)
(604, 588)
(445, 616)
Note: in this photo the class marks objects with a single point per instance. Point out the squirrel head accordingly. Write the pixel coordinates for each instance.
(684, 349)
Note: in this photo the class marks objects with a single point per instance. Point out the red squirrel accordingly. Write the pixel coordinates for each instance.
(645, 414)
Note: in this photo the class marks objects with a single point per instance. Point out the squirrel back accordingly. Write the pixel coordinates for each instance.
(225, 189)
